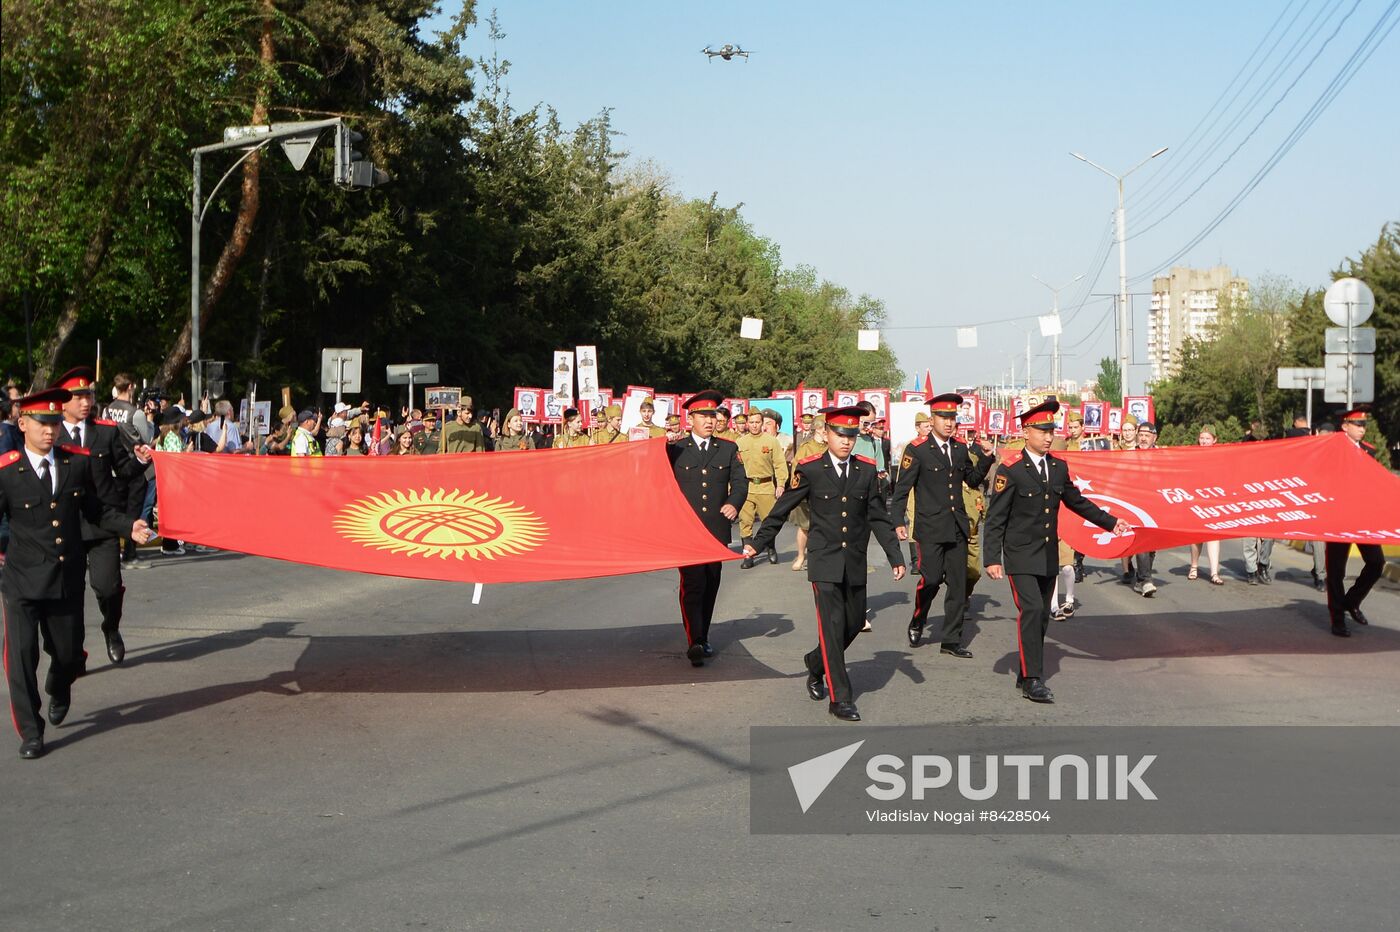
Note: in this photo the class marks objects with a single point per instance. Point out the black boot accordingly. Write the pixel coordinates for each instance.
(1078, 567)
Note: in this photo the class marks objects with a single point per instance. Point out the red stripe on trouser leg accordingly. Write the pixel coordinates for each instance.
(919, 589)
(5, 650)
(685, 619)
(821, 642)
(1020, 649)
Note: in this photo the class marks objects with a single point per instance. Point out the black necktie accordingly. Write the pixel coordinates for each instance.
(703, 447)
(78, 434)
(947, 451)
(46, 478)
(841, 472)
(1043, 477)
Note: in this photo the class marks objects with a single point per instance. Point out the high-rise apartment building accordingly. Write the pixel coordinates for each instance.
(1186, 303)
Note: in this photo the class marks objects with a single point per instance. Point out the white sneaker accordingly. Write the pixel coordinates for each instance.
(1147, 589)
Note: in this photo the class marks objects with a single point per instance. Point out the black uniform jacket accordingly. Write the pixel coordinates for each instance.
(110, 459)
(46, 559)
(842, 518)
(939, 514)
(711, 480)
(1023, 528)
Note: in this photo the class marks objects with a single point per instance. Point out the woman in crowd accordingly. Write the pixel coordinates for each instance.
(513, 435)
(403, 442)
(355, 438)
(1206, 438)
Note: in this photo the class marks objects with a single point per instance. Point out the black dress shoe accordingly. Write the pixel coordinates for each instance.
(772, 556)
(845, 711)
(32, 748)
(747, 564)
(1339, 628)
(915, 632)
(1264, 576)
(1319, 583)
(116, 647)
(956, 651)
(707, 649)
(58, 711)
(816, 687)
(1036, 691)
(1357, 617)
(696, 655)
(1253, 578)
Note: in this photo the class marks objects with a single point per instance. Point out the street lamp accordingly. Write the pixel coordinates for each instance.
(297, 140)
(1055, 359)
(1123, 348)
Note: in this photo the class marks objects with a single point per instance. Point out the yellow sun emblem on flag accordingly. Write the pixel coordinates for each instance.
(442, 524)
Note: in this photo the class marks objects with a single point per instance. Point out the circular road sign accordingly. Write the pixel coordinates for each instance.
(1349, 295)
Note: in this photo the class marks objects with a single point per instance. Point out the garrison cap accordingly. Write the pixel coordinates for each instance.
(46, 407)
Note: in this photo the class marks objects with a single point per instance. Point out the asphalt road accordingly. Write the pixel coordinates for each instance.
(290, 747)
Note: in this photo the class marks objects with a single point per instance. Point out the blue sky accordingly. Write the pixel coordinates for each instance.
(919, 152)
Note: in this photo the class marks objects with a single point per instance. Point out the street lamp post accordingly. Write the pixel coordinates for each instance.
(1055, 359)
(1124, 350)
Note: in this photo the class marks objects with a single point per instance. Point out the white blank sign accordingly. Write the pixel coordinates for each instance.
(751, 328)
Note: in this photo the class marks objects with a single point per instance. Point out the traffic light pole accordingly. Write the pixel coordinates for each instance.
(254, 140)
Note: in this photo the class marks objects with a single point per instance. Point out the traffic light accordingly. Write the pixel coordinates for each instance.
(352, 169)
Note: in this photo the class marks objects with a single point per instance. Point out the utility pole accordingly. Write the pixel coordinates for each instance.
(1055, 359)
(1124, 346)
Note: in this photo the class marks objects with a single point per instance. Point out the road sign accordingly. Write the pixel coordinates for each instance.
(1300, 378)
(410, 373)
(1363, 378)
(1363, 339)
(340, 370)
(1348, 297)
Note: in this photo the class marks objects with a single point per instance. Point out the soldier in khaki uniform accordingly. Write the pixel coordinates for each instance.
(572, 435)
(723, 427)
(611, 430)
(767, 470)
(648, 412)
(801, 517)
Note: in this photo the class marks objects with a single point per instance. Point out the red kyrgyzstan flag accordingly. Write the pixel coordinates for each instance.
(523, 516)
(1309, 488)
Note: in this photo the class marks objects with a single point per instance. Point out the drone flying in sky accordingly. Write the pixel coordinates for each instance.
(726, 51)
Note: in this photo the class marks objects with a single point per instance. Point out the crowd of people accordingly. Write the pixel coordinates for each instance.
(940, 493)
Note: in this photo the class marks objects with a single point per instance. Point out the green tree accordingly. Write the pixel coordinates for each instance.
(1109, 381)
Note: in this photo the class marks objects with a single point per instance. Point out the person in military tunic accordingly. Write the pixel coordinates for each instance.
(110, 457)
(1021, 538)
(846, 506)
(648, 411)
(801, 517)
(572, 435)
(937, 468)
(48, 492)
(767, 470)
(712, 479)
(611, 431)
(723, 428)
(1340, 601)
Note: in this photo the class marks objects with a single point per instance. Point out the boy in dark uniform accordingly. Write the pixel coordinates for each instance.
(1022, 537)
(48, 491)
(110, 457)
(844, 494)
(1372, 557)
(711, 476)
(936, 468)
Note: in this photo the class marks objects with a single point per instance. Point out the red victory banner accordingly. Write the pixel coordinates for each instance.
(524, 516)
(1310, 488)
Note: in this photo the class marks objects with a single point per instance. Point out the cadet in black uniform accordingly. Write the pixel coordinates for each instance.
(1372, 557)
(110, 459)
(1023, 536)
(844, 494)
(48, 491)
(936, 468)
(711, 476)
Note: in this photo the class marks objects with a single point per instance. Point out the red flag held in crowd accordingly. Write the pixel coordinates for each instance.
(487, 518)
(1309, 488)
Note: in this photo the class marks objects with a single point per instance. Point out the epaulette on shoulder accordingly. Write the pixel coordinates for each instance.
(917, 440)
(865, 459)
(8, 458)
(1369, 446)
(73, 448)
(811, 459)
(104, 422)
(725, 440)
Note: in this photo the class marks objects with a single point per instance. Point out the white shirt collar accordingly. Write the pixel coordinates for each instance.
(700, 441)
(35, 459)
(1036, 458)
(836, 462)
